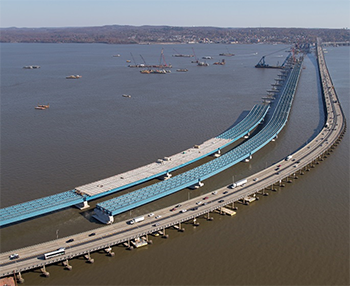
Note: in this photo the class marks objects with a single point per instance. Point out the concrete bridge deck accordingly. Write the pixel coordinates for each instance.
(107, 209)
(94, 190)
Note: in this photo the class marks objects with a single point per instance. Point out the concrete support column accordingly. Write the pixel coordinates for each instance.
(165, 235)
(44, 272)
(195, 223)
(66, 265)
(19, 278)
(88, 258)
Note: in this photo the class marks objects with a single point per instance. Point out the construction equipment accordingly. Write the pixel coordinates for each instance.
(263, 64)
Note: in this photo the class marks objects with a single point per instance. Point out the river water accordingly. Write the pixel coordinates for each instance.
(298, 235)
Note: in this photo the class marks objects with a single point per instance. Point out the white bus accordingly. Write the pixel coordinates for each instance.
(60, 251)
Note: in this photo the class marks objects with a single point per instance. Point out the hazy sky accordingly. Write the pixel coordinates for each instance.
(218, 13)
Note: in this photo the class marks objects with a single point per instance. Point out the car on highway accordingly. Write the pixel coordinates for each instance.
(177, 206)
(199, 203)
(14, 256)
(158, 216)
(221, 201)
(194, 209)
(92, 234)
(156, 224)
(225, 192)
(205, 198)
(214, 193)
(70, 240)
(256, 179)
(277, 173)
(183, 211)
(173, 209)
(151, 214)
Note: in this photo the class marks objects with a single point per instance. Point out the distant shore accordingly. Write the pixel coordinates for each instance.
(148, 35)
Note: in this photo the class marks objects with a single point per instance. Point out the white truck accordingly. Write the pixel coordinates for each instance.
(289, 157)
(239, 183)
(137, 219)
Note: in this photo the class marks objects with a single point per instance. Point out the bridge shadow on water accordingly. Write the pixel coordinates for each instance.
(321, 104)
(238, 120)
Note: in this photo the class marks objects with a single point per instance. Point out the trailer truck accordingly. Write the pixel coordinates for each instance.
(239, 183)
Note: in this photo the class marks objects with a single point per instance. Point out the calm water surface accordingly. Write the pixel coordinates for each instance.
(296, 236)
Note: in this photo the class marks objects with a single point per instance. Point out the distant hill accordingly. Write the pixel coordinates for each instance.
(117, 34)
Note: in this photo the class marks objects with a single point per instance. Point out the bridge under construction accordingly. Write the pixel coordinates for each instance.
(121, 233)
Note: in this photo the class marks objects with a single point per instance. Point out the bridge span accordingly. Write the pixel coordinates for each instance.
(306, 157)
(106, 210)
(161, 168)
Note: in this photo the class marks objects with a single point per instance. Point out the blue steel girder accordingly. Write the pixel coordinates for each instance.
(174, 184)
(38, 207)
(52, 203)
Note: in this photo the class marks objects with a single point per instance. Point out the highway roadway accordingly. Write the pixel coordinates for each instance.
(32, 256)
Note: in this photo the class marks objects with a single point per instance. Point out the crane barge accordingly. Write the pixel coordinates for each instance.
(263, 64)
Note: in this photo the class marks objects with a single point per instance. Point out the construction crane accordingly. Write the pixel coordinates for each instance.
(143, 60)
(195, 57)
(263, 64)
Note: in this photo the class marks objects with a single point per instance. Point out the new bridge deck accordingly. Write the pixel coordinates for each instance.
(122, 181)
(106, 210)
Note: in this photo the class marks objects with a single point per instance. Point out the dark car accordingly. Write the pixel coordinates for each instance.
(221, 201)
(70, 240)
(14, 256)
(92, 234)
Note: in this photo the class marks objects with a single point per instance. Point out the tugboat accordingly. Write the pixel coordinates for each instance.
(73, 76)
(220, 63)
(42, 106)
(203, 64)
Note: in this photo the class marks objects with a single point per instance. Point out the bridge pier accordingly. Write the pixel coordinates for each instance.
(233, 206)
(88, 258)
(19, 278)
(209, 217)
(44, 272)
(83, 205)
(263, 192)
(280, 183)
(149, 241)
(66, 265)
(109, 251)
(179, 227)
(195, 223)
(165, 235)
